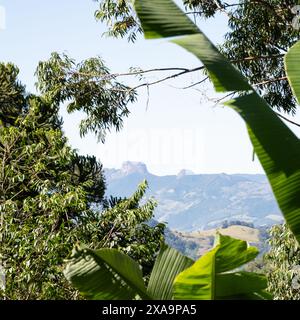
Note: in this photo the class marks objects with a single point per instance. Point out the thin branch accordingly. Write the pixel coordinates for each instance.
(182, 72)
(279, 115)
(270, 81)
(288, 120)
(280, 48)
(195, 84)
(167, 78)
(148, 97)
(217, 101)
(185, 71)
(115, 75)
(222, 9)
(194, 12)
(233, 4)
(275, 56)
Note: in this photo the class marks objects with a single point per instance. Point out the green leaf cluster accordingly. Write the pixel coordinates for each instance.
(119, 17)
(260, 33)
(109, 274)
(87, 86)
(51, 197)
(282, 264)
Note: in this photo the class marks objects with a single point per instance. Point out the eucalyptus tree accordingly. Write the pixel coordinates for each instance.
(259, 34)
(282, 264)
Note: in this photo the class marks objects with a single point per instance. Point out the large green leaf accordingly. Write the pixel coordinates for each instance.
(278, 150)
(162, 18)
(232, 253)
(105, 274)
(168, 265)
(292, 66)
(208, 278)
(275, 145)
(223, 74)
(237, 285)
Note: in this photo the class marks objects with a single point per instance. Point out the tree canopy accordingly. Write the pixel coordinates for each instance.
(281, 264)
(51, 197)
(86, 86)
(260, 32)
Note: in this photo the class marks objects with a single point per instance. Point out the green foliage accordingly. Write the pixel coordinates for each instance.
(293, 69)
(38, 204)
(272, 140)
(119, 17)
(169, 20)
(124, 227)
(109, 274)
(260, 34)
(205, 8)
(87, 170)
(263, 30)
(282, 264)
(168, 265)
(209, 278)
(49, 197)
(187, 247)
(89, 87)
(12, 101)
(121, 277)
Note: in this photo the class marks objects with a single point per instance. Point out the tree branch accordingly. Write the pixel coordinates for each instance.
(115, 75)
(275, 56)
(222, 9)
(286, 119)
(167, 78)
(195, 84)
(270, 81)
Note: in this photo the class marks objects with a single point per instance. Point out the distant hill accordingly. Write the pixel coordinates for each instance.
(193, 202)
(248, 234)
(195, 244)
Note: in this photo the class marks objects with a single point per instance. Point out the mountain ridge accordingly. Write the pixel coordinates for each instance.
(191, 202)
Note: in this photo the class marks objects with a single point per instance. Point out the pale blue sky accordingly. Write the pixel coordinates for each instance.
(177, 129)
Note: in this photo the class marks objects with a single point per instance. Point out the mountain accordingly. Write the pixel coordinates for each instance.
(192, 202)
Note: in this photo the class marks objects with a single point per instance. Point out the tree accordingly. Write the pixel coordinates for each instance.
(87, 86)
(50, 198)
(12, 94)
(260, 33)
(126, 226)
(43, 199)
(282, 264)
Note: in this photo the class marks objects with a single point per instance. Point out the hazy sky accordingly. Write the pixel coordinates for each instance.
(175, 129)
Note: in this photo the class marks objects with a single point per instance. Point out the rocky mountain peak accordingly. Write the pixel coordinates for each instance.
(129, 167)
(185, 172)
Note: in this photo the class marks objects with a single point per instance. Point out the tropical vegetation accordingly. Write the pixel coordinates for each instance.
(52, 198)
(272, 140)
